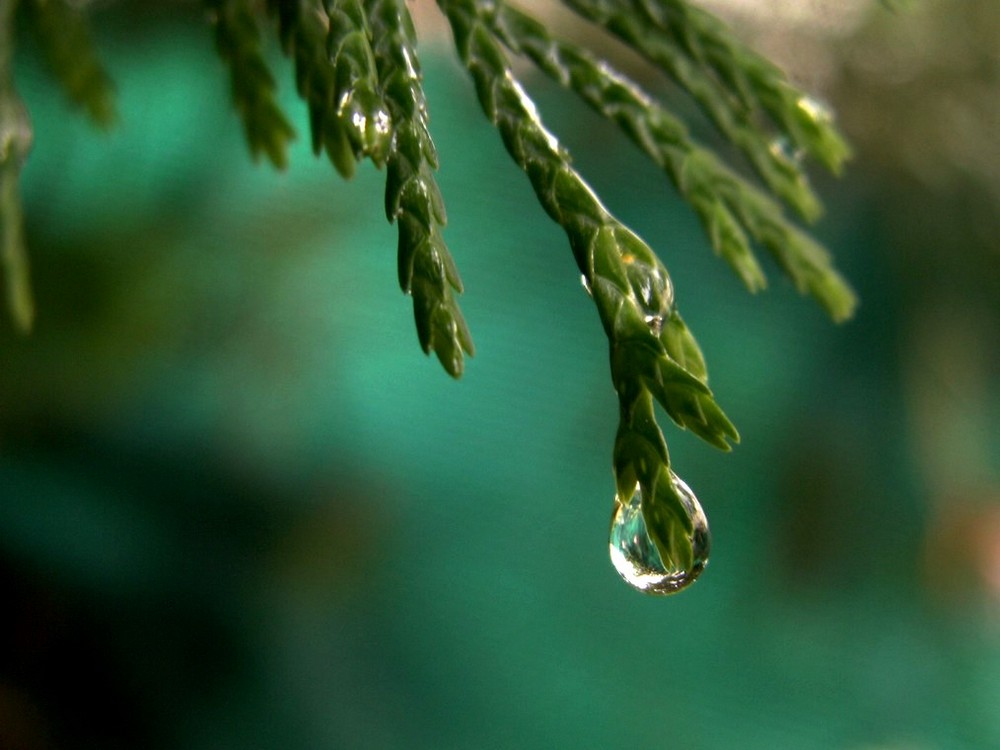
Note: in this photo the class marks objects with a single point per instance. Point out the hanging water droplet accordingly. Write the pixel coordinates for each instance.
(636, 557)
(586, 285)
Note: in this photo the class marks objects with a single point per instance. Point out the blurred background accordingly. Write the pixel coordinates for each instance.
(239, 507)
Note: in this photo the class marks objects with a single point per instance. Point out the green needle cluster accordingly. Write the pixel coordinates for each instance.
(649, 344)
(63, 35)
(356, 67)
(733, 86)
(335, 75)
(412, 198)
(238, 42)
(758, 84)
(731, 209)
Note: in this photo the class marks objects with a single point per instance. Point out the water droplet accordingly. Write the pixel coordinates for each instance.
(586, 285)
(651, 289)
(359, 121)
(784, 149)
(636, 557)
(381, 122)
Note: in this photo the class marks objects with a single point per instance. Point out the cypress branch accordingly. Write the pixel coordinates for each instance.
(335, 74)
(660, 135)
(357, 101)
(730, 208)
(628, 283)
(303, 27)
(412, 198)
(803, 259)
(65, 40)
(757, 82)
(781, 173)
(237, 40)
(356, 67)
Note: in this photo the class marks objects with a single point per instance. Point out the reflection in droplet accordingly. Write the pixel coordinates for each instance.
(784, 149)
(636, 557)
(655, 323)
(381, 122)
(359, 121)
(651, 290)
(586, 285)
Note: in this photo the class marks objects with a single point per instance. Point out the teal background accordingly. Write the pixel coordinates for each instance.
(240, 508)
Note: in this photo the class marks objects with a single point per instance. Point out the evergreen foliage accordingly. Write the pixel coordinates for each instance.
(356, 67)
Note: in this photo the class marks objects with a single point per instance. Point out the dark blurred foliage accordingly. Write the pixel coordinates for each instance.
(239, 508)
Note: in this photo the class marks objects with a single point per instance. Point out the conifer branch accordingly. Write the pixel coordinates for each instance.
(65, 40)
(730, 114)
(356, 67)
(304, 27)
(628, 283)
(237, 39)
(803, 259)
(358, 103)
(729, 207)
(757, 82)
(15, 143)
(664, 138)
(412, 198)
